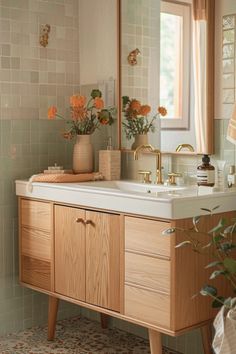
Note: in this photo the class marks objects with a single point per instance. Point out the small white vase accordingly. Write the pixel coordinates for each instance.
(83, 154)
(139, 139)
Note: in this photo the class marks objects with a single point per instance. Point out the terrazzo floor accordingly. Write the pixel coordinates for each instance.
(75, 336)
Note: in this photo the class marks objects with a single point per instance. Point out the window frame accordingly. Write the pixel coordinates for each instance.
(182, 9)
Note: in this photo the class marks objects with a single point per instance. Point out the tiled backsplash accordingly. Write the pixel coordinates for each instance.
(27, 146)
(187, 165)
(33, 77)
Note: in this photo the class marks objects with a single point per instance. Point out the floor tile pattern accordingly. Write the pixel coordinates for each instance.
(75, 336)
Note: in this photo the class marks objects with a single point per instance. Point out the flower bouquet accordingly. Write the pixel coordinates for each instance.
(86, 117)
(136, 117)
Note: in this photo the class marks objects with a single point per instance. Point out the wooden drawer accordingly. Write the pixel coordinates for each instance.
(36, 243)
(147, 306)
(36, 272)
(36, 214)
(145, 236)
(147, 271)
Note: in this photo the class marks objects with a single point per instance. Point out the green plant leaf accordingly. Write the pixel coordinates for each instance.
(207, 245)
(218, 227)
(227, 246)
(169, 231)
(216, 207)
(208, 290)
(216, 273)
(205, 209)
(227, 302)
(230, 229)
(213, 264)
(196, 220)
(230, 265)
(218, 302)
(218, 238)
(184, 243)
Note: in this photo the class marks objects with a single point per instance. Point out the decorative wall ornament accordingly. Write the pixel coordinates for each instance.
(132, 57)
(44, 35)
(229, 63)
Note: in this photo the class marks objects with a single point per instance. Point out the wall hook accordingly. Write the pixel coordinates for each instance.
(132, 57)
(44, 35)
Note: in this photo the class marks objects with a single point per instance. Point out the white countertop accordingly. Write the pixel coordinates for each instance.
(131, 197)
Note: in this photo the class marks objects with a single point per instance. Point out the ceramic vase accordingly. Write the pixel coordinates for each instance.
(83, 154)
(139, 139)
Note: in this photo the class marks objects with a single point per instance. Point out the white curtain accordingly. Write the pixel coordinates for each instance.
(200, 82)
(203, 57)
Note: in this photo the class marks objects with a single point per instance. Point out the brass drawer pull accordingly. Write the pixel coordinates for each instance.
(79, 220)
(89, 222)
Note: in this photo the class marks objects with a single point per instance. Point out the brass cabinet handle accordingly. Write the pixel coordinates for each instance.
(89, 222)
(79, 220)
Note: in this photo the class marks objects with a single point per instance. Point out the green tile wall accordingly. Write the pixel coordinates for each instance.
(26, 148)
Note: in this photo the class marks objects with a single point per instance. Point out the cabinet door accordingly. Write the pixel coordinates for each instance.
(70, 252)
(103, 260)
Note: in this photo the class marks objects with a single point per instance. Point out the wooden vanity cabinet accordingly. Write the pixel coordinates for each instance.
(121, 265)
(87, 253)
(36, 243)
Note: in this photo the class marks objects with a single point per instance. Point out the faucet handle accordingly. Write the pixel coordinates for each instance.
(145, 176)
(172, 176)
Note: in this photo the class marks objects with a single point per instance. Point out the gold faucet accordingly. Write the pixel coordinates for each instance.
(150, 148)
(184, 146)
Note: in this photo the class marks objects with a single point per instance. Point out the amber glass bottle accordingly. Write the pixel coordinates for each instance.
(206, 173)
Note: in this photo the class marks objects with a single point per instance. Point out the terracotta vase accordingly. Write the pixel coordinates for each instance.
(83, 154)
(139, 139)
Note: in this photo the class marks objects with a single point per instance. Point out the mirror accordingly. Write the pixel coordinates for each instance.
(158, 68)
(98, 58)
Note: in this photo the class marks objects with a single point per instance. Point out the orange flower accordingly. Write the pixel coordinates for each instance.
(144, 110)
(98, 103)
(77, 101)
(79, 113)
(162, 111)
(52, 111)
(135, 105)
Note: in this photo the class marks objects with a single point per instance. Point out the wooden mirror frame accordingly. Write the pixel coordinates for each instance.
(209, 135)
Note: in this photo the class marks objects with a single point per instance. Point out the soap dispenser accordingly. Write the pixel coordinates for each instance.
(109, 162)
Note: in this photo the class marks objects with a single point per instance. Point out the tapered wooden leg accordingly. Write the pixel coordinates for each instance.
(104, 320)
(207, 339)
(53, 303)
(155, 341)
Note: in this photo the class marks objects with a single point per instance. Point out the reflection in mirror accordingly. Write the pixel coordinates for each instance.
(98, 47)
(174, 69)
(140, 31)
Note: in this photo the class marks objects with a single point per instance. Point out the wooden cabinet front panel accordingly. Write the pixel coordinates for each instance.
(36, 272)
(36, 243)
(103, 260)
(147, 306)
(36, 215)
(145, 236)
(70, 252)
(147, 271)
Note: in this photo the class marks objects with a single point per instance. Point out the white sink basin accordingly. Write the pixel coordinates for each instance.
(167, 202)
(135, 187)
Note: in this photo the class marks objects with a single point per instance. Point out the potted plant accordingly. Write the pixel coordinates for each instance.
(221, 246)
(137, 123)
(86, 117)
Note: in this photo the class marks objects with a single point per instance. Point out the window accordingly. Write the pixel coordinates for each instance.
(175, 63)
